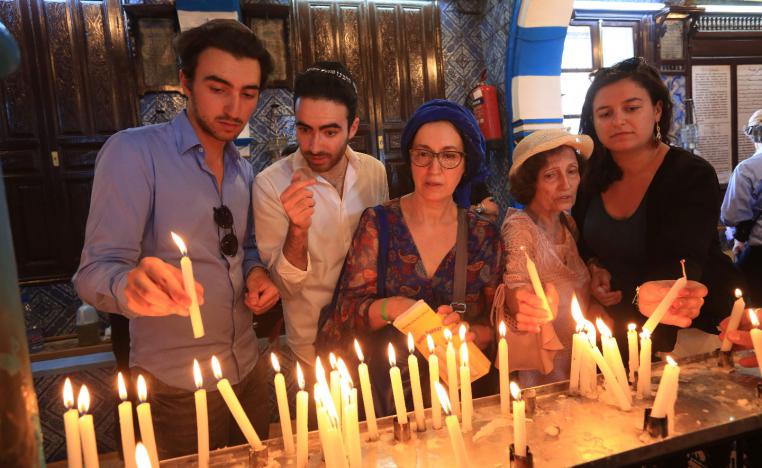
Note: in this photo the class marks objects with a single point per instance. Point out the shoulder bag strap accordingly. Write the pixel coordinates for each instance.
(461, 258)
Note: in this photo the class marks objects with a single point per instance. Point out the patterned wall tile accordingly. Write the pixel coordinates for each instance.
(676, 86)
(462, 52)
(160, 107)
(271, 126)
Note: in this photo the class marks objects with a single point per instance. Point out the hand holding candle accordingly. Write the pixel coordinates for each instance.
(87, 429)
(756, 338)
(126, 426)
(202, 417)
(735, 319)
(190, 288)
(534, 277)
(231, 400)
(71, 427)
(145, 421)
(502, 364)
(453, 428)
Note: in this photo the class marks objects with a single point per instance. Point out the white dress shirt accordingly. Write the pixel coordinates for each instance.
(305, 293)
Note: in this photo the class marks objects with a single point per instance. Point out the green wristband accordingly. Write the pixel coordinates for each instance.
(384, 317)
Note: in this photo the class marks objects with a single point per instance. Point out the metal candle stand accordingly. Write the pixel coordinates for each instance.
(521, 462)
(530, 400)
(656, 427)
(725, 359)
(259, 457)
(401, 431)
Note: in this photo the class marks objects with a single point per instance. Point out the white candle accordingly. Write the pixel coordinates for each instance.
(611, 380)
(190, 289)
(436, 408)
(335, 385)
(415, 383)
(302, 400)
(71, 427)
(467, 405)
(519, 422)
(453, 428)
(351, 423)
(336, 453)
(735, 319)
(578, 341)
(756, 338)
(665, 394)
(141, 458)
(145, 421)
(231, 400)
(644, 370)
(367, 395)
(283, 411)
(502, 365)
(202, 417)
(534, 277)
(452, 373)
(322, 421)
(632, 350)
(126, 426)
(591, 373)
(87, 429)
(666, 302)
(613, 358)
(399, 396)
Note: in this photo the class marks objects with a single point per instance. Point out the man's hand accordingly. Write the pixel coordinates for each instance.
(686, 307)
(738, 247)
(298, 202)
(155, 288)
(528, 309)
(261, 292)
(600, 286)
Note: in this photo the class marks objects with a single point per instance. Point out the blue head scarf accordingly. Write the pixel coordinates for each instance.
(463, 120)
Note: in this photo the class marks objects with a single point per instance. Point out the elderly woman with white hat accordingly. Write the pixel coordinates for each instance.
(544, 178)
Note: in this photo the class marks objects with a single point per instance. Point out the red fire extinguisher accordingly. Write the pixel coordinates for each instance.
(483, 99)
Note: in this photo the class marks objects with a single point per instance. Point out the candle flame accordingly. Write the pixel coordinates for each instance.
(344, 372)
(631, 327)
(142, 460)
(444, 400)
(739, 293)
(216, 368)
(276, 364)
(68, 394)
(180, 243)
(197, 378)
(299, 376)
(122, 386)
(462, 332)
(447, 334)
(591, 332)
(671, 361)
(605, 331)
(392, 356)
(142, 390)
(410, 342)
(320, 372)
(645, 334)
(464, 354)
(83, 400)
(576, 310)
(753, 318)
(501, 329)
(515, 391)
(327, 403)
(358, 350)
(332, 360)
(430, 343)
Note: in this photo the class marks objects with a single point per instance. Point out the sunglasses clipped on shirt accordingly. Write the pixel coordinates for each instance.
(223, 218)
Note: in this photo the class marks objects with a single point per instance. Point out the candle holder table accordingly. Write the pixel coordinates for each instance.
(714, 404)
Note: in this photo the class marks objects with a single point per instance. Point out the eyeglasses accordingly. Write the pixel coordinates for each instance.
(447, 159)
(223, 218)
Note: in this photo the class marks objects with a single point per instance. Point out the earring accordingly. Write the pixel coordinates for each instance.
(658, 132)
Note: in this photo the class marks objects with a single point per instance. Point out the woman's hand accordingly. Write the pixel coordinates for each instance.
(600, 286)
(741, 338)
(738, 247)
(685, 308)
(528, 309)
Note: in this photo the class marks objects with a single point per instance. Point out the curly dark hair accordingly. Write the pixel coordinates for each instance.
(523, 183)
(331, 81)
(227, 35)
(602, 170)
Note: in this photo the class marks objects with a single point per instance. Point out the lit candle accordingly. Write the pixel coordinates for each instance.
(436, 409)
(322, 422)
(666, 302)
(202, 417)
(141, 458)
(415, 383)
(644, 370)
(71, 427)
(735, 319)
(591, 373)
(756, 338)
(534, 277)
(611, 380)
(467, 405)
(453, 428)
(226, 390)
(335, 385)
(301, 420)
(351, 420)
(145, 421)
(283, 413)
(613, 357)
(87, 429)
(336, 456)
(632, 350)
(452, 373)
(667, 391)
(190, 289)
(578, 341)
(399, 396)
(126, 426)
(519, 422)
(502, 364)
(367, 395)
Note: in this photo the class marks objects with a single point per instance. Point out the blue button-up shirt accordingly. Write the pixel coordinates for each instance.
(150, 181)
(743, 197)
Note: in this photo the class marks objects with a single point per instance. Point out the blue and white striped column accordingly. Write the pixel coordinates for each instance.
(192, 13)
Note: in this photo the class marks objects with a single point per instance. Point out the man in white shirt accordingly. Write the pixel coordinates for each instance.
(307, 205)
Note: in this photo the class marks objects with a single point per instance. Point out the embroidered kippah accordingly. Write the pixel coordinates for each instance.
(335, 73)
